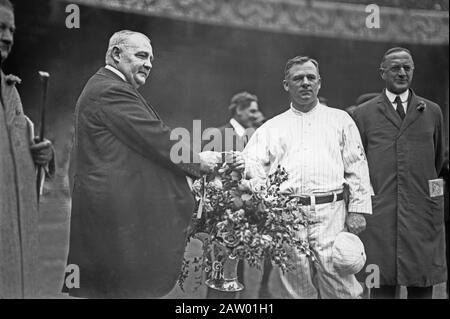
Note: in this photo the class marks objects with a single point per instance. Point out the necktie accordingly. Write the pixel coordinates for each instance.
(400, 109)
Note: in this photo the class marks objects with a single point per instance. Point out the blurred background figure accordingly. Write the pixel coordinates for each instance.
(234, 135)
(360, 100)
(365, 97)
(259, 120)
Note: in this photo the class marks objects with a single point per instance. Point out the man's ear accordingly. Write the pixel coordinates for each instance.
(286, 85)
(238, 111)
(383, 74)
(115, 54)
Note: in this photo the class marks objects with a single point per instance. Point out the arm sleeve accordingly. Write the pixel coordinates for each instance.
(132, 123)
(356, 118)
(257, 158)
(356, 170)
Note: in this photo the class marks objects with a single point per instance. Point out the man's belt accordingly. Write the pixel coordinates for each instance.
(320, 199)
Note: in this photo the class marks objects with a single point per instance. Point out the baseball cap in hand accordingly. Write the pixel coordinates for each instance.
(348, 254)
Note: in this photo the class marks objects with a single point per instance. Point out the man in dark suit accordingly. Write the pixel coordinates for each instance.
(403, 136)
(234, 135)
(444, 175)
(131, 203)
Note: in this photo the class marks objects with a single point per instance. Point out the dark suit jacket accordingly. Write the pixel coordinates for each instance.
(131, 204)
(225, 139)
(405, 233)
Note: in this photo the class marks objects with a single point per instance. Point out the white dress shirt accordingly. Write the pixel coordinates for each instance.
(320, 150)
(403, 97)
(238, 128)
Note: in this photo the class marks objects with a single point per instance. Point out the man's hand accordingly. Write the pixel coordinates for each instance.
(208, 161)
(356, 222)
(42, 152)
(236, 161)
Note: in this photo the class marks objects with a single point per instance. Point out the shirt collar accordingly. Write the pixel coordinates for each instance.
(391, 96)
(114, 70)
(307, 113)
(239, 129)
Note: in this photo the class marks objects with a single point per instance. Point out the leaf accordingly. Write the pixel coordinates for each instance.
(238, 203)
(235, 176)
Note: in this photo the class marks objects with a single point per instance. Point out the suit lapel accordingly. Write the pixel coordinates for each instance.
(412, 114)
(110, 74)
(149, 107)
(388, 111)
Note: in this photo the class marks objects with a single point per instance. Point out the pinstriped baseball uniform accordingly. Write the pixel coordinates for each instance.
(321, 150)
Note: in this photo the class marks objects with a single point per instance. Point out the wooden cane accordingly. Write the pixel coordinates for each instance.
(44, 76)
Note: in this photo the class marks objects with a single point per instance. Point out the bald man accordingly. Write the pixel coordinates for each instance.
(131, 202)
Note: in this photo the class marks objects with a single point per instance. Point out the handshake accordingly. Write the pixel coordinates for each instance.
(210, 159)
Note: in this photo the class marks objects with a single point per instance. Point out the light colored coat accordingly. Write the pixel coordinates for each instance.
(18, 200)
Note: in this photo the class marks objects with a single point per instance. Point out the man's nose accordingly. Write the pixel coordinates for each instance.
(148, 64)
(402, 71)
(305, 82)
(6, 36)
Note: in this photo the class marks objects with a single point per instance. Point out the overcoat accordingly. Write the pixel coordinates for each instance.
(405, 235)
(18, 199)
(131, 204)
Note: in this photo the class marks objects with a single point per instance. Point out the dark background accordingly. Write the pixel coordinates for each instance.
(198, 67)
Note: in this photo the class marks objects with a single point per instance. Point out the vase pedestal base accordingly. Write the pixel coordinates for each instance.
(223, 285)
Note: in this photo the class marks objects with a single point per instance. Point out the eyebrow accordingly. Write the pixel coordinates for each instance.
(303, 75)
(9, 26)
(152, 58)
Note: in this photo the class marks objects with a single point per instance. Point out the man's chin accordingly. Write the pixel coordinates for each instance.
(4, 55)
(306, 101)
(398, 89)
(140, 80)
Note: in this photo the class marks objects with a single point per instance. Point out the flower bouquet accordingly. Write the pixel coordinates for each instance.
(235, 223)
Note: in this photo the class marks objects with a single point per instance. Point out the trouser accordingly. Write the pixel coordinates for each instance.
(320, 280)
(389, 292)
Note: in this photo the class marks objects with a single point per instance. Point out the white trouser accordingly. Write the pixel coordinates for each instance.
(308, 280)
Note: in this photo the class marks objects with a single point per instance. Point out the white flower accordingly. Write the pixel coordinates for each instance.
(216, 183)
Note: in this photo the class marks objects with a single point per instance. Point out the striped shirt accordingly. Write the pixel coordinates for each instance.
(321, 150)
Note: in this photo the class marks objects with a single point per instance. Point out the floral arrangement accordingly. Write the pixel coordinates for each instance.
(250, 225)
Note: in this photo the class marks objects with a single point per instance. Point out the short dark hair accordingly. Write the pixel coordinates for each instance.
(365, 97)
(241, 100)
(299, 60)
(7, 4)
(393, 50)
